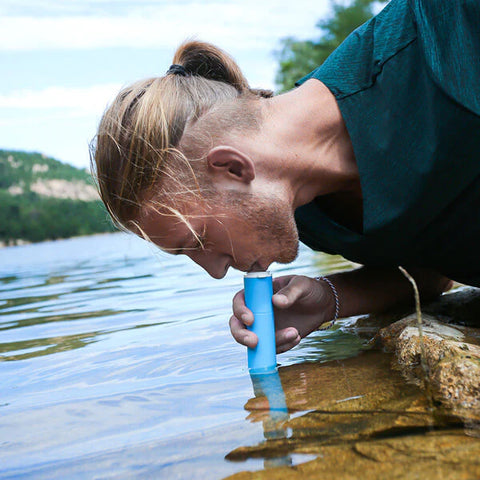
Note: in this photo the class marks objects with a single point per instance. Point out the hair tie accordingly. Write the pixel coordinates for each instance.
(177, 70)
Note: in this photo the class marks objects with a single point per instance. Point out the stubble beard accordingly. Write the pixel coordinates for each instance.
(277, 227)
(273, 222)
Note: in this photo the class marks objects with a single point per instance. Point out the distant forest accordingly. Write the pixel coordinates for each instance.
(29, 216)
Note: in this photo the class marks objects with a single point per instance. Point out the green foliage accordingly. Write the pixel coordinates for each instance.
(23, 168)
(32, 217)
(298, 58)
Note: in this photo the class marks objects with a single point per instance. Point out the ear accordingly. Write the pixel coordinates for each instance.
(231, 164)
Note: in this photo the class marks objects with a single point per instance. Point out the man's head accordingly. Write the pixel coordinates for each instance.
(243, 231)
(167, 170)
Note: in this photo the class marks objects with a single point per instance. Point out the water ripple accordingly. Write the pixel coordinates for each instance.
(107, 343)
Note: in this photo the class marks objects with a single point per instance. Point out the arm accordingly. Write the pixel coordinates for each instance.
(301, 303)
(375, 290)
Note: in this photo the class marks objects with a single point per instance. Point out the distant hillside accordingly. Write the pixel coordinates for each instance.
(42, 198)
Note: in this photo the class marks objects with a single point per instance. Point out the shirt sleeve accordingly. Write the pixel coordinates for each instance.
(449, 32)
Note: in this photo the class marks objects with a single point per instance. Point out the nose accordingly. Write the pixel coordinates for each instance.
(216, 265)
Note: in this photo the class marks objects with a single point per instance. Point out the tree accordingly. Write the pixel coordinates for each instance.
(33, 217)
(297, 58)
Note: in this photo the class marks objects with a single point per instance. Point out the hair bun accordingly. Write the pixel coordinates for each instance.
(211, 62)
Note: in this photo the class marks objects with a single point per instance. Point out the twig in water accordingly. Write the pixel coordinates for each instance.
(423, 357)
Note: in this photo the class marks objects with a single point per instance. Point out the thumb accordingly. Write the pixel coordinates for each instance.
(289, 294)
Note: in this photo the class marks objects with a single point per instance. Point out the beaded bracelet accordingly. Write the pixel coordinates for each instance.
(331, 323)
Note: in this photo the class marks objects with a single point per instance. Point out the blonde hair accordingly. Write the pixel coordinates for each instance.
(142, 144)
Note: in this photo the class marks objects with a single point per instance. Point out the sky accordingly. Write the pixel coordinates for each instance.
(63, 61)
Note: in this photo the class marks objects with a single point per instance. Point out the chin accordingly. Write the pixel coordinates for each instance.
(288, 254)
(284, 258)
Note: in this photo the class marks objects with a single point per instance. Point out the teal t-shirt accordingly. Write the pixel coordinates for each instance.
(407, 83)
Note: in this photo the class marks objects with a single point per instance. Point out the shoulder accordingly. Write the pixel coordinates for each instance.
(447, 21)
(439, 8)
(441, 19)
(356, 63)
(448, 32)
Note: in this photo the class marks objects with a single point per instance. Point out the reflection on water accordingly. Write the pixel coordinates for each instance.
(116, 360)
(272, 412)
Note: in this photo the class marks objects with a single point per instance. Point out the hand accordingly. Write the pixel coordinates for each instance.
(300, 305)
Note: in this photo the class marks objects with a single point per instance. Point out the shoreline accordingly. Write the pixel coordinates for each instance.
(20, 242)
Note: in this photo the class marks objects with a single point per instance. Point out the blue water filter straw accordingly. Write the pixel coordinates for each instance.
(258, 298)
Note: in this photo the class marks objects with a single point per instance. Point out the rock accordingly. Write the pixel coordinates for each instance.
(460, 306)
(451, 345)
(58, 188)
(451, 364)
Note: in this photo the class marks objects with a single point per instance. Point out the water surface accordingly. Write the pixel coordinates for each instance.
(116, 360)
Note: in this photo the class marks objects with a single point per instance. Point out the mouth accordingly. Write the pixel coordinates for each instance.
(227, 266)
(256, 267)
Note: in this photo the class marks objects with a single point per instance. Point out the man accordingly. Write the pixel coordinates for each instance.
(374, 156)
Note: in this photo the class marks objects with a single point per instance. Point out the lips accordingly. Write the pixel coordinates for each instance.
(256, 267)
(227, 266)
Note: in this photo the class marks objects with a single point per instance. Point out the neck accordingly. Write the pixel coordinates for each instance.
(309, 147)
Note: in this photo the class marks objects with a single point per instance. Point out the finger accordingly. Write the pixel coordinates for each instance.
(286, 336)
(256, 417)
(280, 282)
(241, 334)
(240, 310)
(289, 345)
(290, 293)
(259, 416)
(256, 403)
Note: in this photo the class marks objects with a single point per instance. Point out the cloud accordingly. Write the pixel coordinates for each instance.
(234, 24)
(37, 35)
(80, 101)
(84, 7)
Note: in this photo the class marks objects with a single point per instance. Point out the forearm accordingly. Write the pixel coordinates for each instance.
(374, 290)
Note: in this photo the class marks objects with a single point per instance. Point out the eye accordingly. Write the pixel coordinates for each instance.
(201, 239)
(196, 243)
(199, 243)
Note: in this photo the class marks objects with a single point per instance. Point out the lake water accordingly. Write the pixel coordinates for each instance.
(116, 360)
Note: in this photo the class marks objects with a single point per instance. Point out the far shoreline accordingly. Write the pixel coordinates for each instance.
(21, 243)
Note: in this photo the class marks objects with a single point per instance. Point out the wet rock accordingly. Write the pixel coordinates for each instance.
(451, 344)
(431, 456)
(451, 363)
